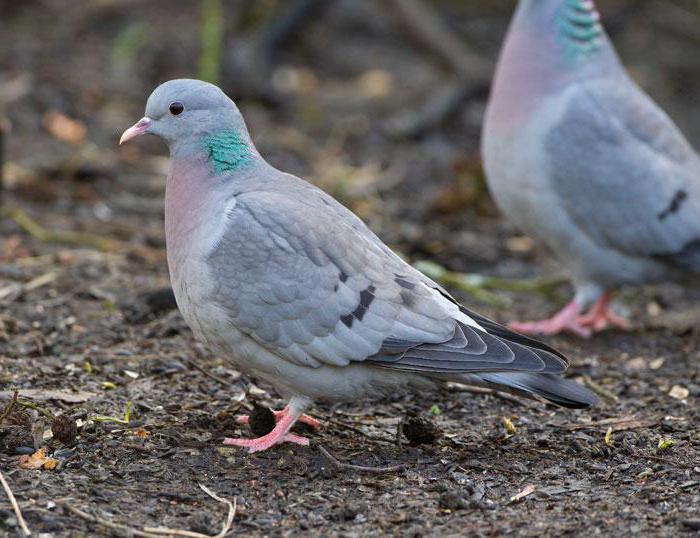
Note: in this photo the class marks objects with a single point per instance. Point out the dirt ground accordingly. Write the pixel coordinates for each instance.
(85, 333)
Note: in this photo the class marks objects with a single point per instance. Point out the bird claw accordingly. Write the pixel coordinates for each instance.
(598, 318)
(550, 327)
(280, 433)
(567, 320)
(306, 419)
(266, 441)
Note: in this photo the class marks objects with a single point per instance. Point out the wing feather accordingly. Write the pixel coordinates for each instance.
(320, 288)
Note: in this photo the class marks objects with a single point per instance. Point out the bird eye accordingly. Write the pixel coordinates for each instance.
(176, 108)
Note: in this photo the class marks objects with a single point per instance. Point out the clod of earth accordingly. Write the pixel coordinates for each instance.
(419, 431)
(64, 429)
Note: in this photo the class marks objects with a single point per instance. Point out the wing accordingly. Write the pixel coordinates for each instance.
(625, 173)
(306, 279)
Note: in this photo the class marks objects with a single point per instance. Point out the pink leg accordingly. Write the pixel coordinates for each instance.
(279, 434)
(306, 419)
(601, 316)
(566, 320)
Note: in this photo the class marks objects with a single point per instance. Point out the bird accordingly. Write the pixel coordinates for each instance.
(580, 158)
(281, 279)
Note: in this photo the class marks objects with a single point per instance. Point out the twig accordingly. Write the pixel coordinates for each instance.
(361, 468)
(196, 366)
(473, 73)
(426, 27)
(15, 506)
(189, 534)
(9, 406)
(616, 424)
(67, 237)
(458, 387)
(110, 525)
(231, 510)
(32, 405)
(357, 430)
(471, 281)
(599, 389)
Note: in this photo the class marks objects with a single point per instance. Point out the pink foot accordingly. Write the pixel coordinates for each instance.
(306, 419)
(566, 320)
(601, 316)
(279, 434)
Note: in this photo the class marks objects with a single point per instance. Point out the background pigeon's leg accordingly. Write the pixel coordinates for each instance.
(601, 316)
(306, 419)
(280, 434)
(568, 319)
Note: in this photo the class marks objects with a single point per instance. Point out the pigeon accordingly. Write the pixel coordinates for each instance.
(582, 160)
(280, 278)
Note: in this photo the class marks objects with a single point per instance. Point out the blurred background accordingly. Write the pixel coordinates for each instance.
(379, 103)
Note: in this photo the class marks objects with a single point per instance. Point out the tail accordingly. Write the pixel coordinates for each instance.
(552, 387)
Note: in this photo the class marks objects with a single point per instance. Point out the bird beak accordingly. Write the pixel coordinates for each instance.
(137, 129)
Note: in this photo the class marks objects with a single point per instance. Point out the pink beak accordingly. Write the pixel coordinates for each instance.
(135, 130)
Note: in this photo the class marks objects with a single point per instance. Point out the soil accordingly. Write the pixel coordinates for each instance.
(87, 332)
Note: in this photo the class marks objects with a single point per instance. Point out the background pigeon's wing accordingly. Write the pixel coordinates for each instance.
(306, 279)
(625, 173)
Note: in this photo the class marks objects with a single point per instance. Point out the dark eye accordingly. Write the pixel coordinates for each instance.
(176, 108)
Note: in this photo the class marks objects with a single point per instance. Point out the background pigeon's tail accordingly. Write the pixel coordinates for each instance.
(552, 387)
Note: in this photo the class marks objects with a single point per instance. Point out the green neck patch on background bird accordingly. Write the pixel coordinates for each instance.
(580, 28)
(228, 151)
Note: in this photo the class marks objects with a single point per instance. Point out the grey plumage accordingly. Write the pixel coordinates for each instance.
(581, 159)
(293, 287)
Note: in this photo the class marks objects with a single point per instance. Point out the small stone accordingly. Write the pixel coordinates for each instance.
(679, 393)
(64, 429)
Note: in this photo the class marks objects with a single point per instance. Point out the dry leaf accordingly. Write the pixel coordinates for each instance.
(528, 490)
(608, 437)
(38, 460)
(679, 393)
(64, 128)
(140, 432)
(510, 427)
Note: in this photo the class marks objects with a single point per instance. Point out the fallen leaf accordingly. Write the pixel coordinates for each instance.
(64, 128)
(140, 432)
(510, 427)
(38, 460)
(666, 443)
(608, 437)
(528, 490)
(679, 393)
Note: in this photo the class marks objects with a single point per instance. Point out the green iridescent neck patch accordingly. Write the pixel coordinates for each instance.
(228, 151)
(580, 28)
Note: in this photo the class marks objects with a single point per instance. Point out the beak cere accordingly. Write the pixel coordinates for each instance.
(135, 130)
